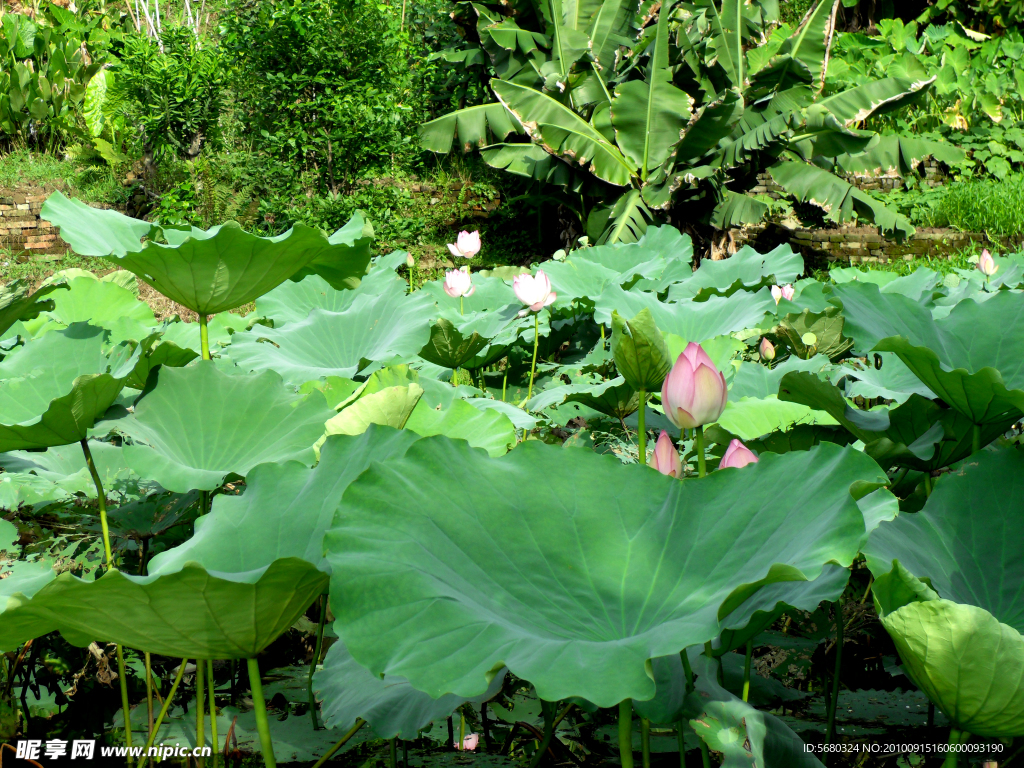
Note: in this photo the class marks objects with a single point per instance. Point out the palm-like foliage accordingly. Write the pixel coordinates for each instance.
(680, 104)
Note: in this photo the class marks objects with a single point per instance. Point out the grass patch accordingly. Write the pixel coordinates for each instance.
(92, 183)
(990, 206)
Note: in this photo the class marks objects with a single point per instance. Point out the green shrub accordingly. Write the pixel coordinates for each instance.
(995, 207)
(323, 85)
(171, 90)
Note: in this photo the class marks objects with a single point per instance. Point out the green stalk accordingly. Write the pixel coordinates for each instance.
(548, 708)
(834, 703)
(341, 743)
(681, 740)
(626, 733)
(163, 712)
(645, 742)
(260, 710)
(746, 669)
(213, 707)
(705, 756)
(124, 700)
(149, 693)
(504, 380)
(204, 337)
(462, 730)
(976, 438)
(316, 660)
(702, 468)
(533, 365)
(102, 499)
(394, 752)
(640, 426)
(200, 702)
(956, 738)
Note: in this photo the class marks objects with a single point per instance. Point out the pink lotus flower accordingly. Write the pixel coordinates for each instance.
(466, 246)
(666, 458)
(737, 455)
(470, 742)
(694, 392)
(534, 290)
(766, 349)
(986, 264)
(785, 292)
(458, 283)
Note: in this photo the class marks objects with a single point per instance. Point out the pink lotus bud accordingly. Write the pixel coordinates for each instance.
(737, 455)
(785, 292)
(986, 264)
(466, 246)
(766, 349)
(694, 391)
(458, 282)
(470, 742)
(666, 458)
(534, 290)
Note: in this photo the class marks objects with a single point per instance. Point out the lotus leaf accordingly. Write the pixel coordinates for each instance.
(746, 266)
(54, 388)
(390, 705)
(389, 407)
(600, 599)
(199, 424)
(488, 429)
(448, 347)
(16, 303)
(760, 381)
(338, 343)
(641, 356)
(749, 418)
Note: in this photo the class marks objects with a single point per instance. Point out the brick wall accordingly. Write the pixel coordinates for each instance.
(934, 176)
(21, 229)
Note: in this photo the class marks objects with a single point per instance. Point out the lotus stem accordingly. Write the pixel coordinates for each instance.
(698, 442)
(149, 693)
(626, 733)
(124, 700)
(645, 742)
(394, 752)
(200, 702)
(260, 710)
(705, 756)
(204, 337)
(956, 738)
(213, 707)
(504, 380)
(548, 708)
(405, 753)
(316, 660)
(533, 365)
(834, 702)
(746, 669)
(101, 498)
(642, 430)
(681, 741)
(163, 712)
(462, 730)
(976, 438)
(461, 308)
(341, 743)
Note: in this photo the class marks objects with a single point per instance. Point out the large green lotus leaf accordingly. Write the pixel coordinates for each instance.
(760, 381)
(919, 434)
(390, 706)
(374, 328)
(610, 565)
(389, 407)
(641, 355)
(285, 509)
(488, 429)
(613, 398)
(23, 489)
(450, 348)
(963, 541)
(870, 315)
(744, 735)
(973, 359)
(893, 381)
(220, 330)
(189, 613)
(54, 388)
(749, 418)
(812, 333)
(692, 320)
(746, 266)
(17, 303)
(343, 264)
(199, 424)
(491, 292)
(577, 278)
(914, 286)
(966, 661)
(208, 271)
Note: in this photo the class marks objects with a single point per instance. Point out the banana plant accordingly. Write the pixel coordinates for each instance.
(633, 115)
